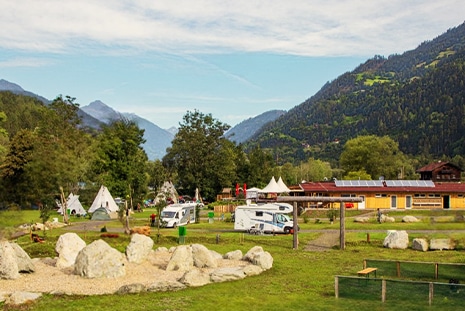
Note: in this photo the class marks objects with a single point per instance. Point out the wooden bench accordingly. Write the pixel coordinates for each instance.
(366, 272)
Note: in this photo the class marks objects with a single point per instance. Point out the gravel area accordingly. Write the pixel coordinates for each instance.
(49, 279)
(325, 242)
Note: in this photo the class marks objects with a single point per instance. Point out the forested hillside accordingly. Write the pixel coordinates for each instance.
(417, 98)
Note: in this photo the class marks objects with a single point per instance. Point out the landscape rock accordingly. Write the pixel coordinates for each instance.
(98, 260)
(68, 247)
(441, 244)
(4, 296)
(252, 270)
(18, 298)
(234, 255)
(420, 245)
(396, 239)
(181, 259)
(8, 265)
(131, 289)
(217, 256)
(23, 260)
(251, 253)
(385, 218)
(410, 219)
(164, 286)
(139, 248)
(195, 278)
(263, 259)
(362, 219)
(202, 257)
(227, 274)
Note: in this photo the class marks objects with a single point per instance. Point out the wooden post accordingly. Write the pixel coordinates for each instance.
(431, 292)
(342, 234)
(383, 290)
(398, 268)
(436, 271)
(336, 286)
(364, 263)
(295, 234)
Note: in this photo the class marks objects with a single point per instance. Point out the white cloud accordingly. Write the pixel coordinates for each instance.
(314, 28)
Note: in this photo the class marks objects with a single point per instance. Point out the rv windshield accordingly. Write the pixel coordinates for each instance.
(167, 214)
(282, 218)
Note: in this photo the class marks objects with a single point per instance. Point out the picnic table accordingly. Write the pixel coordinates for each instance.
(366, 272)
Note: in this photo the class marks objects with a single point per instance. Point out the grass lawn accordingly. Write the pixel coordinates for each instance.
(299, 279)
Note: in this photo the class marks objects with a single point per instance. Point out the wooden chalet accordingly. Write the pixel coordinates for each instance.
(226, 194)
(440, 172)
(390, 194)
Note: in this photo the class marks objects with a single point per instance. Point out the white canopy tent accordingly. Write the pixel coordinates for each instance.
(104, 199)
(282, 185)
(272, 187)
(252, 193)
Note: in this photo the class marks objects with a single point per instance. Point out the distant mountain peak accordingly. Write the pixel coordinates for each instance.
(9, 86)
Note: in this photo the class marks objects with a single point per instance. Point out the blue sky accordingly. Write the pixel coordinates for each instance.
(234, 59)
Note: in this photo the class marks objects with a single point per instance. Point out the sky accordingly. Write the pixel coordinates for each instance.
(233, 59)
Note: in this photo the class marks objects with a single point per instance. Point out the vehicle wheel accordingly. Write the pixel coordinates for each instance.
(175, 225)
(287, 230)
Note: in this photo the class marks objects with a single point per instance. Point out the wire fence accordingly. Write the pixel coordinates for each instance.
(396, 291)
(418, 270)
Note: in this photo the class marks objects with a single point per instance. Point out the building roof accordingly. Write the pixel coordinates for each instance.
(331, 187)
(435, 165)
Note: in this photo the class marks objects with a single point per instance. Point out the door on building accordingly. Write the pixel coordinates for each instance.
(408, 202)
(361, 205)
(446, 201)
(394, 201)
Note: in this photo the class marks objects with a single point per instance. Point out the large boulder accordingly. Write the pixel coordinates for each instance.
(139, 248)
(25, 263)
(98, 260)
(181, 259)
(68, 247)
(251, 253)
(264, 260)
(202, 257)
(18, 298)
(234, 255)
(420, 245)
(195, 278)
(441, 244)
(385, 218)
(396, 239)
(409, 219)
(362, 219)
(227, 274)
(8, 265)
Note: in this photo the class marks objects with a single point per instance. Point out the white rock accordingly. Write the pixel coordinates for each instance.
(396, 239)
(68, 247)
(139, 248)
(99, 259)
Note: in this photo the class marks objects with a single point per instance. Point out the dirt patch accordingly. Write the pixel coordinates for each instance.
(325, 242)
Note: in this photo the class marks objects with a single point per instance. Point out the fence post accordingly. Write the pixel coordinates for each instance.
(364, 263)
(431, 292)
(398, 269)
(336, 286)
(383, 290)
(436, 271)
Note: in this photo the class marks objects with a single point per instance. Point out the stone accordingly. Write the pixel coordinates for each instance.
(195, 278)
(25, 263)
(396, 239)
(420, 245)
(202, 257)
(441, 244)
(227, 274)
(4, 296)
(409, 219)
(164, 286)
(100, 260)
(385, 218)
(362, 219)
(217, 256)
(252, 270)
(251, 253)
(263, 259)
(181, 259)
(131, 289)
(8, 265)
(18, 298)
(234, 255)
(139, 248)
(68, 247)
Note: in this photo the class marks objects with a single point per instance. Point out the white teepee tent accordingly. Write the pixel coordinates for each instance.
(104, 199)
(74, 206)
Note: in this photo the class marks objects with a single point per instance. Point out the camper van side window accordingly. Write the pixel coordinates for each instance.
(259, 214)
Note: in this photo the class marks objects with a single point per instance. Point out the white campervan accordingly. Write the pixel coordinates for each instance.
(179, 214)
(269, 217)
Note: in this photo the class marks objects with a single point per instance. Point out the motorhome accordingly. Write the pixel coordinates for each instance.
(179, 214)
(267, 218)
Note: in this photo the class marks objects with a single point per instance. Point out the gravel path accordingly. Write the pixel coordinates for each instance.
(325, 242)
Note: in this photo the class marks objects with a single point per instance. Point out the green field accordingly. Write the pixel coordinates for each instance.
(299, 279)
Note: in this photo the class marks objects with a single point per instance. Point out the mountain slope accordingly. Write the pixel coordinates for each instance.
(247, 128)
(416, 98)
(157, 139)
